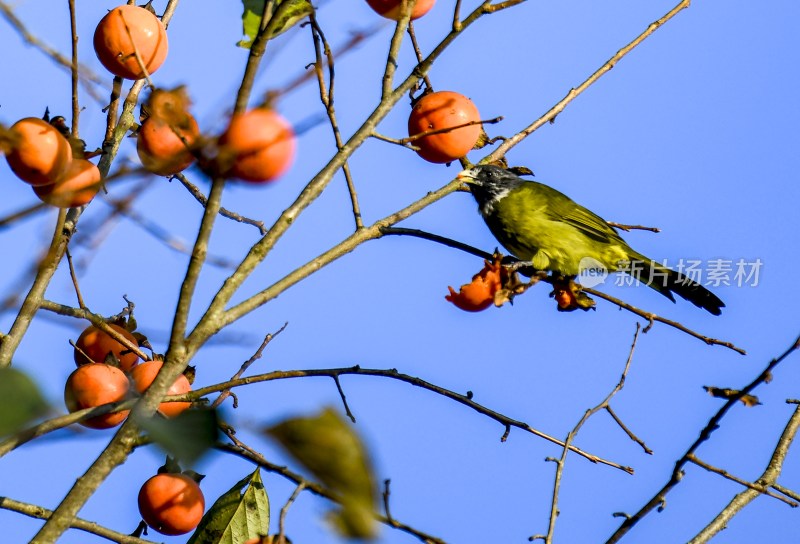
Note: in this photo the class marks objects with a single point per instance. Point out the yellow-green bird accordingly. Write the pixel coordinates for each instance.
(539, 224)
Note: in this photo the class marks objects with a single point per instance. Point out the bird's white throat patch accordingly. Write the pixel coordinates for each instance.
(487, 208)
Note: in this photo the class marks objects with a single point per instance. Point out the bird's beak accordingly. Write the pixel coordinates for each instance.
(467, 176)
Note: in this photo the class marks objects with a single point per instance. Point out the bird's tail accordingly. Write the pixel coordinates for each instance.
(667, 281)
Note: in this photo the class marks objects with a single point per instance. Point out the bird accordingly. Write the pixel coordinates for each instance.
(539, 224)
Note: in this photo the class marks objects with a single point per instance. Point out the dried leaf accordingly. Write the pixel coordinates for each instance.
(725, 393)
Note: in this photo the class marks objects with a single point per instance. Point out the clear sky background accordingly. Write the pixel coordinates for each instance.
(694, 132)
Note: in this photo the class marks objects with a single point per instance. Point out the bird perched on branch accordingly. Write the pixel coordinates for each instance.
(539, 224)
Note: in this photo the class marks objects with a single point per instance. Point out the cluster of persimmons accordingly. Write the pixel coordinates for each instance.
(257, 146)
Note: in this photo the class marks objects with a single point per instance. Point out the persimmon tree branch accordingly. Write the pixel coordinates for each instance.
(553, 112)
(38, 512)
(554, 511)
(762, 489)
(466, 400)
(767, 479)
(213, 319)
(326, 97)
(705, 434)
(257, 49)
(201, 198)
(76, 108)
(87, 77)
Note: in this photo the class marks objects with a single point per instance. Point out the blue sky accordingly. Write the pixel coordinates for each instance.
(694, 132)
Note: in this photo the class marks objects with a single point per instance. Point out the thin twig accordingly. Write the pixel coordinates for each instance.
(24, 213)
(76, 109)
(74, 277)
(406, 7)
(123, 207)
(281, 539)
(256, 356)
(418, 53)
(750, 485)
(414, 137)
(303, 77)
(24, 436)
(769, 476)
(628, 228)
(651, 317)
(457, 16)
(97, 320)
(625, 428)
(145, 73)
(786, 491)
(466, 400)
(589, 413)
(257, 49)
(326, 96)
(344, 398)
(44, 273)
(386, 493)
(87, 76)
(201, 198)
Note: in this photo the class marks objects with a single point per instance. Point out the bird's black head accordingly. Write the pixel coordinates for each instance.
(489, 184)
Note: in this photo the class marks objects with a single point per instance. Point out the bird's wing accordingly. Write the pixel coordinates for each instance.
(562, 208)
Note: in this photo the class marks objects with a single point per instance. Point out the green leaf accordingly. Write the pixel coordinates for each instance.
(235, 517)
(187, 436)
(288, 14)
(285, 15)
(251, 21)
(329, 447)
(20, 401)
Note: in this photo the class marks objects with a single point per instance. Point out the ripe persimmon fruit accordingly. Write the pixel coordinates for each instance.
(93, 385)
(391, 9)
(40, 154)
(94, 345)
(143, 375)
(78, 185)
(443, 110)
(164, 148)
(125, 32)
(479, 293)
(258, 146)
(171, 504)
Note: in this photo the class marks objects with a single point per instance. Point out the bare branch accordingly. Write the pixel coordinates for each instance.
(466, 400)
(553, 112)
(589, 413)
(38, 512)
(201, 198)
(769, 476)
(705, 434)
(725, 474)
(256, 356)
